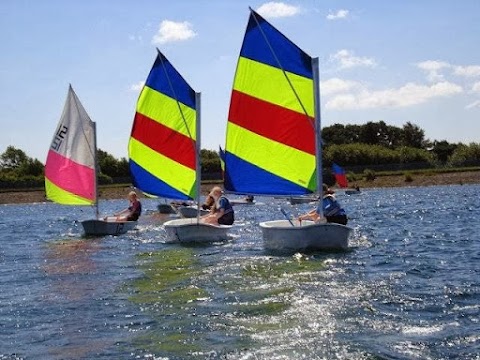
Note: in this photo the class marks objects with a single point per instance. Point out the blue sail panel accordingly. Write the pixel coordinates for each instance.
(153, 185)
(164, 78)
(261, 37)
(245, 178)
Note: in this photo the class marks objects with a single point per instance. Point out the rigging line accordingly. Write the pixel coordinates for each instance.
(176, 99)
(281, 67)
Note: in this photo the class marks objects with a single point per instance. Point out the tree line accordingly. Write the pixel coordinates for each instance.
(374, 145)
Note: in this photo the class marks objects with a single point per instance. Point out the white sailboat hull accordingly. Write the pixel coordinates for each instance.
(189, 231)
(101, 227)
(280, 235)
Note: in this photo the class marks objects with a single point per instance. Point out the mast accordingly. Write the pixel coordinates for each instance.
(95, 165)
(198, 169)
(318, 130)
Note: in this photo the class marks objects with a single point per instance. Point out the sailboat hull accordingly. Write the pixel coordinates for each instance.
(101, 227)
(188, 230)
(191, 211)
(165, 209)
(280, 235)
(295, 200)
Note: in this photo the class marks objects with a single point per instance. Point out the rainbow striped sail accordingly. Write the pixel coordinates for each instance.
(271, 144)
(70, 169)
(163, 147)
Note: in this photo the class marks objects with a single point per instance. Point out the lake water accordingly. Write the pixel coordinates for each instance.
(408, 289)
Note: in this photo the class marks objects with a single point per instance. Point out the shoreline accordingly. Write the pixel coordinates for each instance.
(22, 196)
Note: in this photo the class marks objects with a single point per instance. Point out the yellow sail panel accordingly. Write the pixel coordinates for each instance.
(274, 157)
(170, 112)
(60, 196)
(269, 83)
(171, 172)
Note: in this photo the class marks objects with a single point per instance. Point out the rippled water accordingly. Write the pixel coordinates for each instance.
(408, 289)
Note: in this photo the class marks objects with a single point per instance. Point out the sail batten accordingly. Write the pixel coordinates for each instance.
(270, 145)
(162, 146)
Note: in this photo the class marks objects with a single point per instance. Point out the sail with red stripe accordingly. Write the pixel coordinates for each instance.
(340, 176)
(271, 145)
(163, 143)
(70, 169)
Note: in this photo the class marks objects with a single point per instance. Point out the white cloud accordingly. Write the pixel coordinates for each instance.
(467, 71)
(474, 105)
(277, 9)
(432, 67)
(170, 31)
(340, 14)
(476, 87)
(138, 86)
(347, 60)
(407, 95)
(336, 85)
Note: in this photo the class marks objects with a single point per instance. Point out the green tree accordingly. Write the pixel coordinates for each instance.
(465, 155)
(108, 163)
(12, 158)
(210, 161)
(443, 150)
(413, 136)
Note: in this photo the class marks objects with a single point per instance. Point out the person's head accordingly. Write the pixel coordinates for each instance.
(216, 192)
(209, 200)
(132, 196)
(326, 190)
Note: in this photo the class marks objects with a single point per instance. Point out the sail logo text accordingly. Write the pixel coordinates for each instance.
(59, 136)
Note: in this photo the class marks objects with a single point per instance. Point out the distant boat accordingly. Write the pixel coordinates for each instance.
(353, 191)
(342, 181)
(164, 148)
(273, 144)
(71, 167)
(295, 200)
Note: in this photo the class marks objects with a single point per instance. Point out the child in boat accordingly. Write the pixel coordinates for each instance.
(332, 210)
(133, 212)
(222, 211)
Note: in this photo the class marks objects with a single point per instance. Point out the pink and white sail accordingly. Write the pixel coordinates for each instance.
(70, 169)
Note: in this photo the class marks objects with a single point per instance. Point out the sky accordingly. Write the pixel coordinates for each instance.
(395, 61)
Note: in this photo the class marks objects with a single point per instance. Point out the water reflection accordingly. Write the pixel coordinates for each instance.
(73, 280)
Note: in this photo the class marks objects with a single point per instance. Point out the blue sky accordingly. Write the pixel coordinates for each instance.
(396, 61)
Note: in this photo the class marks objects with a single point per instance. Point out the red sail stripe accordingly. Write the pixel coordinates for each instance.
(273, 122)
(164, 140)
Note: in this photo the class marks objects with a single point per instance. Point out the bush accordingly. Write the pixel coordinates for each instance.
(369, 175)
(408, 177)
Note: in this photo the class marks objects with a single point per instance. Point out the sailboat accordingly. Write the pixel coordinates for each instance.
(273, 144)
(342, 181)
(71, 167)
(164, 148)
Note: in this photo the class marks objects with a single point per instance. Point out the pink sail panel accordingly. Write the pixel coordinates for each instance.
(72, 177)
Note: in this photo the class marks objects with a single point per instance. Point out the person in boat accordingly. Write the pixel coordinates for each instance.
(249, 198)
(332, 210)
(133, 212)
(222, 211)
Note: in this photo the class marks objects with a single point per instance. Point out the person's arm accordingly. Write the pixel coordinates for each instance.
(308, 216)
(124, 211)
